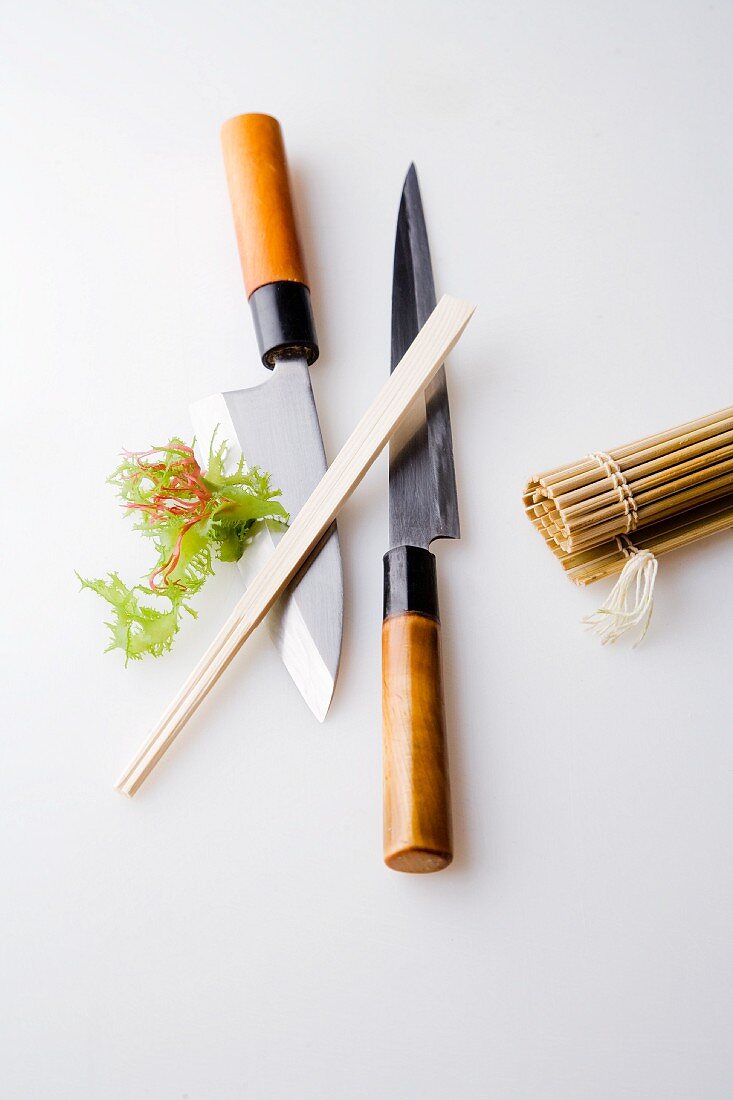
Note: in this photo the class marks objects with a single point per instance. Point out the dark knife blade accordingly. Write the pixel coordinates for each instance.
(423, 506)
(423, 503)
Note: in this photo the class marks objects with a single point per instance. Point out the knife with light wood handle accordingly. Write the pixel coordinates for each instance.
(423, 506)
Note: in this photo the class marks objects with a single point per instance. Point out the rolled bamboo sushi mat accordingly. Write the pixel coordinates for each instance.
(659, 493)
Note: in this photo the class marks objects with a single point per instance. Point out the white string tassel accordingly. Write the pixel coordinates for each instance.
(631, 601)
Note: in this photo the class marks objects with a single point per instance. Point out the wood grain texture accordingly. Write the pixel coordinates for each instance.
(417, 814)
(418, 366)
(259, 189)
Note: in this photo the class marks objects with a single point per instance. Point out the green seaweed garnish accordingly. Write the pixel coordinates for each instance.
(192, 517)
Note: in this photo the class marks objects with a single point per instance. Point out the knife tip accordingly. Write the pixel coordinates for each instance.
(317, 695)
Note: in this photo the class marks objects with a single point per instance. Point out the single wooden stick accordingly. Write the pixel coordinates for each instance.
(416, 369)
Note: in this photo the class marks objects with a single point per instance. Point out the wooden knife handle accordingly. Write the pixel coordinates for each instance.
(259, 189)
(272, 260)
(417, 814)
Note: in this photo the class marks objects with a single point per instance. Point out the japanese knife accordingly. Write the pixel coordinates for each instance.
(423, 506)
(275, 425)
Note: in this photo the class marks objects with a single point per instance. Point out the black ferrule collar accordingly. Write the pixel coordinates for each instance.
(283, 321)
(410, 582)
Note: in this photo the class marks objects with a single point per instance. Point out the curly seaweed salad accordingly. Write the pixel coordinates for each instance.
(192, 517)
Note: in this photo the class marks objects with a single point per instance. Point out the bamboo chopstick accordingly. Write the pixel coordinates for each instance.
(420, 363)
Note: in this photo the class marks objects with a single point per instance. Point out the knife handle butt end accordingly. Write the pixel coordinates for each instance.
(417, 813)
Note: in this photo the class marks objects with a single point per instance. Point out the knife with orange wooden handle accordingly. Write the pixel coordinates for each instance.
(274, 424)
(423, 506)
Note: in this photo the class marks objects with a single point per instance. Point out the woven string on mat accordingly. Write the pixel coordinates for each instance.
(631, 600)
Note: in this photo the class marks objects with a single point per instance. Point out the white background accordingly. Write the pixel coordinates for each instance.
(232, 931)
